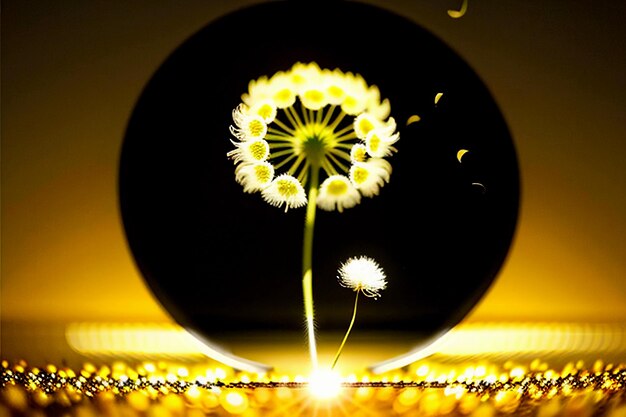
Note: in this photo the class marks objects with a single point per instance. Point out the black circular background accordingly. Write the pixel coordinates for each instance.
(223, 262)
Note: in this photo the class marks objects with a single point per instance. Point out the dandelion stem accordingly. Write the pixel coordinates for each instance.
(356, 300)
(284, 126)
(307, 263)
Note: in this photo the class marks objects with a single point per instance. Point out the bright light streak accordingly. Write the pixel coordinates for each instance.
(325, 384)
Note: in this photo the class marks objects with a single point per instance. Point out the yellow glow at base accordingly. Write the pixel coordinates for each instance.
(140, 340)
(234, 402)
(515, 338)
(147, 341)
(324, 384)
(434, 389)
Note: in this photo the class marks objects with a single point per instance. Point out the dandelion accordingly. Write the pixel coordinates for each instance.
(314, 124)
(314, 137)
(362, 275)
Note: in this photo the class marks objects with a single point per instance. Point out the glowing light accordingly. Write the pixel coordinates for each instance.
(507, 388)
(510, 338)
(455, 14)
(438, 97)
(324, 384)
(148, 340)
(138, 400)
(460, 153)
(434, 387)
(234, 402)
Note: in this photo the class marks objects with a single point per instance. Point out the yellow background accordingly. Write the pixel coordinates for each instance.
(73, 70)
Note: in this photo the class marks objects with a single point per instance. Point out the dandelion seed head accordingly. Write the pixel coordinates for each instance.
(307, 120)
(363, 274)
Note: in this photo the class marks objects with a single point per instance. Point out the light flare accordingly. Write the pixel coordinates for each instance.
(325, 384)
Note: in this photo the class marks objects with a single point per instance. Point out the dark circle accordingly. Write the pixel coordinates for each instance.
(223, 262)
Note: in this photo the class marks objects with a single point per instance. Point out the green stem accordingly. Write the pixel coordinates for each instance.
(356, 300)
(307, 263)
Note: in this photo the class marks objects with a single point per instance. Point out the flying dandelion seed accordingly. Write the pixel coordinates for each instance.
(481, 186)
(413, 119)
(455, 14)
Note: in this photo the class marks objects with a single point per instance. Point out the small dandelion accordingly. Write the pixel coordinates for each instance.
(362, 275)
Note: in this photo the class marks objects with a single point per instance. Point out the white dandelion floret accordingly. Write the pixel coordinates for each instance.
(334, 87)
(352, 105)
(314, 98)
(266, 109)
(282, 91)
(302, 76)
(248, 126)
(258, 90)
(355, 100)
(369, 176)
(364, 123)
(285, 190)
(379, 143)
(363, 274)
(380, 110)
(337, 193)
(376, 107)
(254, 176)
(358, 153)
(254, 150)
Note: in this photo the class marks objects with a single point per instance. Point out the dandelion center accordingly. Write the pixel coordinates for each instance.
(258, 150)
(287, 188)
(256, 127)
(337, 187)
(263, 173)
(374, 143)
(265, 111)
(316, 148)
(360, 175)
